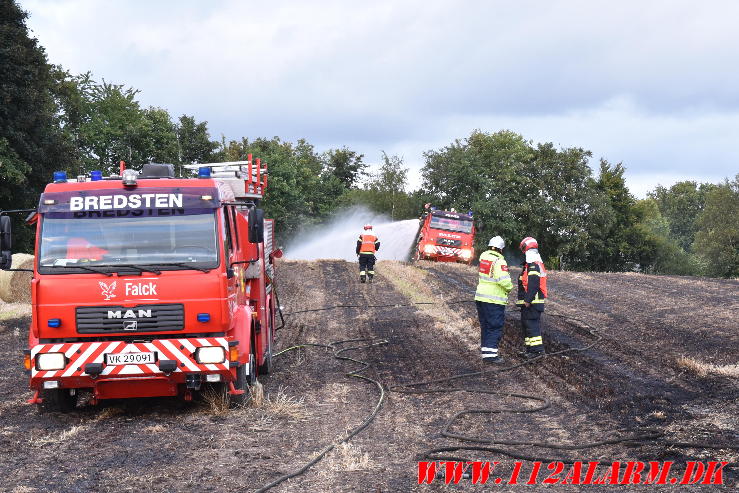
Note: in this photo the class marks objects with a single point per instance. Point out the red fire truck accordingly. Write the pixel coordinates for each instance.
(445, 236)
(149, 285)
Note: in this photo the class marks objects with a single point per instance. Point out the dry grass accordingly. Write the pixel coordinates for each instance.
(257, 394)
(349, 457)
(56, 438)
(9, 311)
(108, 412)
(286, 406)
(153, 429)
(704, 369)
(415, 284)
(216, 399)
(23, 489)
(282, 405)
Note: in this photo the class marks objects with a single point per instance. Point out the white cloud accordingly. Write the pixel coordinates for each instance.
(653, 84)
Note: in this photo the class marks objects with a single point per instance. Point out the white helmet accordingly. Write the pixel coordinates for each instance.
(496, 242)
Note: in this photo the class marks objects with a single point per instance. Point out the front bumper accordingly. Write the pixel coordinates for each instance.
(130, 380)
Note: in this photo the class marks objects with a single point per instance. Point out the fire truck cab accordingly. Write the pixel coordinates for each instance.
(445, 236)
(149, 285)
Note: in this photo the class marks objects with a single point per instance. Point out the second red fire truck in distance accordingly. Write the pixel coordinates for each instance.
(445, 236)
(149, 285)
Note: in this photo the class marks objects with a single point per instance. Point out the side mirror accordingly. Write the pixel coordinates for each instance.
(6, 243)
(6, 235)
(256, 225)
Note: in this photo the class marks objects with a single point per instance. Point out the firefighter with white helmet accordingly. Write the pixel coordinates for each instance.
(491, 297)
(532, 296)
(367, 245)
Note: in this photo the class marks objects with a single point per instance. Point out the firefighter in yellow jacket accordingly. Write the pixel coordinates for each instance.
(367, 245)
(491, 298)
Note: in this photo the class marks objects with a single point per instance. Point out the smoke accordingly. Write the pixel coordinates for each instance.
(337, 239)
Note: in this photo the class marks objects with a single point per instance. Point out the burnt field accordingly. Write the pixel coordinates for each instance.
(659, 382)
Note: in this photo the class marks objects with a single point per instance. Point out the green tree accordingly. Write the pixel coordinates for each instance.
(32, 144)
(194, 141)
(620, 246)
(663, 255)
(518, 190)
(159, 137)
(717, 239)
(114, 127)
(346, 165)
(299, 193)
(681, 205)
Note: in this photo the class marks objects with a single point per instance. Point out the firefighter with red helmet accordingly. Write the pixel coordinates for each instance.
(532, 296)
(367, 245)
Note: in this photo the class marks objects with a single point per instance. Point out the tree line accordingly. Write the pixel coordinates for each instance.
(52, 120)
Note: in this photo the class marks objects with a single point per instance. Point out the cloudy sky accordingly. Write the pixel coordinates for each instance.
(652, 84)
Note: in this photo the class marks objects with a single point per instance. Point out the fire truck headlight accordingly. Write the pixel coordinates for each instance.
(428, 249)
(210, 355)
(465, 253)
(51, 361)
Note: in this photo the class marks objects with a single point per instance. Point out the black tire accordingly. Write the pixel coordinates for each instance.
(239, 384)
(244, 382)
(58, 400)
(251, 379)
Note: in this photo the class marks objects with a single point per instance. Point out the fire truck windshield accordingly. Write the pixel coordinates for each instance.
(457, 225)
(110, 242)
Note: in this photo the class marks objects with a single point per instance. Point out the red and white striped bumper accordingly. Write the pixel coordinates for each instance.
(78, 354)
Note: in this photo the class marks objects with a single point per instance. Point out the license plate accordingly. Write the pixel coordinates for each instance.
(130, 359)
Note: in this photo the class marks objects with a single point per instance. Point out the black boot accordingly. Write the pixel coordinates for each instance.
(362, 278)
(497, 360)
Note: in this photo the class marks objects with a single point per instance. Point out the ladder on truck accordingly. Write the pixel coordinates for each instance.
(247, 179)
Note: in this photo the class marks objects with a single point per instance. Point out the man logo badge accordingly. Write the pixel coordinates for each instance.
(130, 324)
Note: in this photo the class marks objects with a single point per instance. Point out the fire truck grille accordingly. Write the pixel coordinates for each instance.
(140, 318)
(448, 242)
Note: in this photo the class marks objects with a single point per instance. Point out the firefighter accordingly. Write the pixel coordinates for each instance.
(532, 296)
(367, 245)
(491, 297)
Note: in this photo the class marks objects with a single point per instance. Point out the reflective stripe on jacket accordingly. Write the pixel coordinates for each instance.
(532, 284)
(368, 243)
(494, 281)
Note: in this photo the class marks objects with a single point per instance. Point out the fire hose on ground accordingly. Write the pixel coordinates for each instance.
(470, 443)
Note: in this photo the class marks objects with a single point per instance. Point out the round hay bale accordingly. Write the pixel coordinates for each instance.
(15, 287)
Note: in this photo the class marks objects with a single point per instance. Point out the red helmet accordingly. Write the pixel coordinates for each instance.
(367, 226)
(528, 243)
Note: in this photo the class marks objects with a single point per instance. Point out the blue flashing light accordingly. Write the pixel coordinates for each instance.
(55, 323)
(469, 213)
(96, 175)
(204, 172)
(60, 176)
(203, 317)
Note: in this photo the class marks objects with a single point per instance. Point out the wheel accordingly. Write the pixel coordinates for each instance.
(244, 382)
(58, 400)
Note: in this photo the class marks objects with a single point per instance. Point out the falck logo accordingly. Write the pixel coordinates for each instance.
(108, 289)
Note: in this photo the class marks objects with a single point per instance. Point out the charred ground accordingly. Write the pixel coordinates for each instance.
(667, 360)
